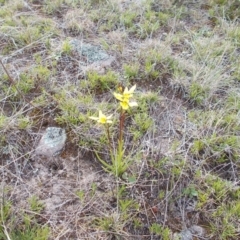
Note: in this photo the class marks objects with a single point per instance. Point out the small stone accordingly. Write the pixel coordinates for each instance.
(52, 142)
(186, 235)
(197, 230)
(183, 235)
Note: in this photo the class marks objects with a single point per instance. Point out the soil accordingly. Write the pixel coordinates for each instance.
(72, 185)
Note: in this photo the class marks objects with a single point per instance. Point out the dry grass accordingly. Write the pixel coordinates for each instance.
(183, 138)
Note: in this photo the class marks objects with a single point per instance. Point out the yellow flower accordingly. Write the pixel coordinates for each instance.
(124, 98)
(103, 119)
(126, 104)
(127, 94)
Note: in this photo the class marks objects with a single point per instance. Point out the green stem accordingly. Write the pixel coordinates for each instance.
(109, 139)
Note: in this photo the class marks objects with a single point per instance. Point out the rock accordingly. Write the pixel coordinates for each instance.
(91, 52)
(52, 142)
(95, 58)
(197, 230)
(186, 235)
(189, 233)
(99, 67)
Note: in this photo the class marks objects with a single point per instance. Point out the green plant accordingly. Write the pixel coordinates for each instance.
(159, 230)
(227, 215)
(163, 17)
(112, 21)
(147, 28)
(24, 227)
(5, 210)
(119, 163)
(24, 122)
(197, 147)
(5, 214)
(137, 223)
(131, 70)
(51, 7)
(143, 121)
(93, 188)
(190, 191)
(121, 214)
(66, 48)
(2, 2)
(197, 93)
(80, 194)
(30, 231)
(105, 223)
(203, 198)
(233, 101)
(127, 18)
(98, 82)
(3, 121)
(150, 70)
(125, 204)
(41, 73)
(35, 204)
(68, 103)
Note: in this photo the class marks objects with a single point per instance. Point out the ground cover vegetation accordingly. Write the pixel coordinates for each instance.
(163, 166)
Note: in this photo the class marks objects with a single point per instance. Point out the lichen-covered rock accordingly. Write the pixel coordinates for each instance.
(52, 142)
(91, 52)
(190, 233)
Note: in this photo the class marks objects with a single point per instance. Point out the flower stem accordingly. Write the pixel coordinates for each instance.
(109, 139)
(121, 125)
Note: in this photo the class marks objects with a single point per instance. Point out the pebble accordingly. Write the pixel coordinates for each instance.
(189, 233)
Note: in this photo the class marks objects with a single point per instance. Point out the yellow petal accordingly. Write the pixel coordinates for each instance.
(127, 94)
(125, 90)
(109, 121)
(132, 89)
(124, 105)
(110, 116)
(118, 96)
(133, 104)
(100, 114)
(102, 120)
(94, 118)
